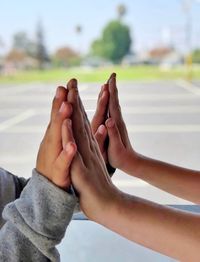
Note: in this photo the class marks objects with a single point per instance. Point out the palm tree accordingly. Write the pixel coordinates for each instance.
(121, 11)
(78, 30)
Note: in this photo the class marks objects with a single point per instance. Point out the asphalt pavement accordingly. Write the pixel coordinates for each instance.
(163, 121)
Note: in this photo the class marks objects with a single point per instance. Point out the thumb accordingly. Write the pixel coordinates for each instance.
(115, 141)
(100, 136)
(61, 173)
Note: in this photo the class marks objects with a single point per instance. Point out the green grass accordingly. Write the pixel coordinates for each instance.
(148, 73)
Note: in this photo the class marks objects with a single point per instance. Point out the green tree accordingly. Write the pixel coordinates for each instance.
(115, 42)
(196, 56)
(65, 56)
(20, 41)
(41, 52)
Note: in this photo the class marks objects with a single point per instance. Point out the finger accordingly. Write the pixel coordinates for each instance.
(60, 97)
(92, 141)
(62, 164)
(100, 136)
(77, 173)
(115, 141)
(65, 111)
(115, 109)
(100, 93)
(67, 133)
(111, 76)
(88, 129)
(103, 88)
(100, 115)
(78, 124)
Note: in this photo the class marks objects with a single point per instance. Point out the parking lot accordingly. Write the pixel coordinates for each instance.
(163, 120)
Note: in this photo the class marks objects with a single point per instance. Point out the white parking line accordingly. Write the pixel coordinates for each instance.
(129, 183)
(83, 88)
(188, 109)
(12, 90)
(11, 122)
(123, 97)
(161, 110)
(17, 159)
(156, 128)
(189, 87)
(164, 128)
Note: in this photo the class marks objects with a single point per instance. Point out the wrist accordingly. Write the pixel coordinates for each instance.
(131, 164)
(107, 206)
(64, 185)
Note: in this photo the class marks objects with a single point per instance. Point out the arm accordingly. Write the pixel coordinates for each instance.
(176, 180)
(10, 189)
(162, 229)
(36, 222)
(169, 231)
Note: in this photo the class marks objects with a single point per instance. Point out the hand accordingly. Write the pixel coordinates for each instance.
(88, 170)
(98, 121)
(120, 152)
(54, 157)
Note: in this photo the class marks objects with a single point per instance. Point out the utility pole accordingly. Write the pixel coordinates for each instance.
(187, 6)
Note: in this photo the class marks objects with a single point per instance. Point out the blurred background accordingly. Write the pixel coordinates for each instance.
(153, 46)
(130, 36)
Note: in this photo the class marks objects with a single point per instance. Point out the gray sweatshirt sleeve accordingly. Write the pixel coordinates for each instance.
(36, 222)
(11, 187)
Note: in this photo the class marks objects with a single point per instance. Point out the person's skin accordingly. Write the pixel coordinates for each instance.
(166, 230)
(54, 156)
(182, 182)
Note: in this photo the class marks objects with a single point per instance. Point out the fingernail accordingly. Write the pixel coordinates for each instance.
(110, 123)
(101, 129)
(74, 82)
(69, 122)
(70, 147)
(58, 92)
(113, 75)
(62, 108)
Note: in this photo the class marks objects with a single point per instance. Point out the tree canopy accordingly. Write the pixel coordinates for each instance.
(196, 56)
(114, 43)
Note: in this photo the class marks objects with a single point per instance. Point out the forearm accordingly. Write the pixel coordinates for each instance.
(175, 180)
(40, 218)
(165, 230)
(11, 187)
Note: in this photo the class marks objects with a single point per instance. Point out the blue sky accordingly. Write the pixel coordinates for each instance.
(152, 22)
